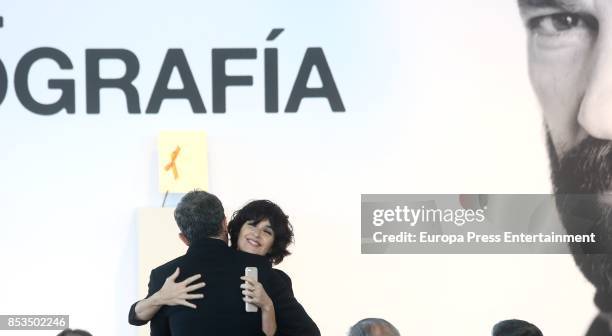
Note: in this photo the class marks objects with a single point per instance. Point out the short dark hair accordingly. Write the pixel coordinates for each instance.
(75, 332)
(199, 215)
(257, 211)
(373, 326)
(515, 328)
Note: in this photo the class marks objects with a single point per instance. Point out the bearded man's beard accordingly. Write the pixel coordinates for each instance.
(580, 177)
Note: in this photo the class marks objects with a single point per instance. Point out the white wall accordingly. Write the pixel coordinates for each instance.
(437, 101)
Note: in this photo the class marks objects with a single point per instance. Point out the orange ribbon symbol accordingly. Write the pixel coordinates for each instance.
(172, 163)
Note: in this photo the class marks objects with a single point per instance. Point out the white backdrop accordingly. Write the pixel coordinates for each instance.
(437, 101)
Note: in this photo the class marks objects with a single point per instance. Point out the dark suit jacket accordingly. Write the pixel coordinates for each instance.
(599, 327)
(222, 311)
(291, 318)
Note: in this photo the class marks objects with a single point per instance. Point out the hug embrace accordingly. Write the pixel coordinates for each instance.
(204, 292)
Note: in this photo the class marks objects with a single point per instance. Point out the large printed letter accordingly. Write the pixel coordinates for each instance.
(66, 100)
(220, 80)
(124, 83)
(175, 58)
(314, 57)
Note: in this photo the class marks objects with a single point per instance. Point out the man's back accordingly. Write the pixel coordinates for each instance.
(221, 311)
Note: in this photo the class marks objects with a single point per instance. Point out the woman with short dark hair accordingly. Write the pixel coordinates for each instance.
(255, 213)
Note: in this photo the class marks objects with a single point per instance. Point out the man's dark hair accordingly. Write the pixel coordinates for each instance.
(75, 332)
(199, 215)
(257, 211)
(373, 327)
(515, 328)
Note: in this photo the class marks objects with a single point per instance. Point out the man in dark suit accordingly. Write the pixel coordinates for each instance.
(203, 227)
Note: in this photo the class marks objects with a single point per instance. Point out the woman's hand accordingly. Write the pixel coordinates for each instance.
(254, 293)
(171, 294)
(177, 293)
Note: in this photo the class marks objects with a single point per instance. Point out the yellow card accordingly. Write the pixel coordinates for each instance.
(183, 161)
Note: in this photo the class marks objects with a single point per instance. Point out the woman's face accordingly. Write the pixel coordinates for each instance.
(256, 238)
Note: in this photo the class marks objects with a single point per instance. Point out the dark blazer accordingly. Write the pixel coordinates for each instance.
(291, 318)
(221, 311)
(599, 327)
